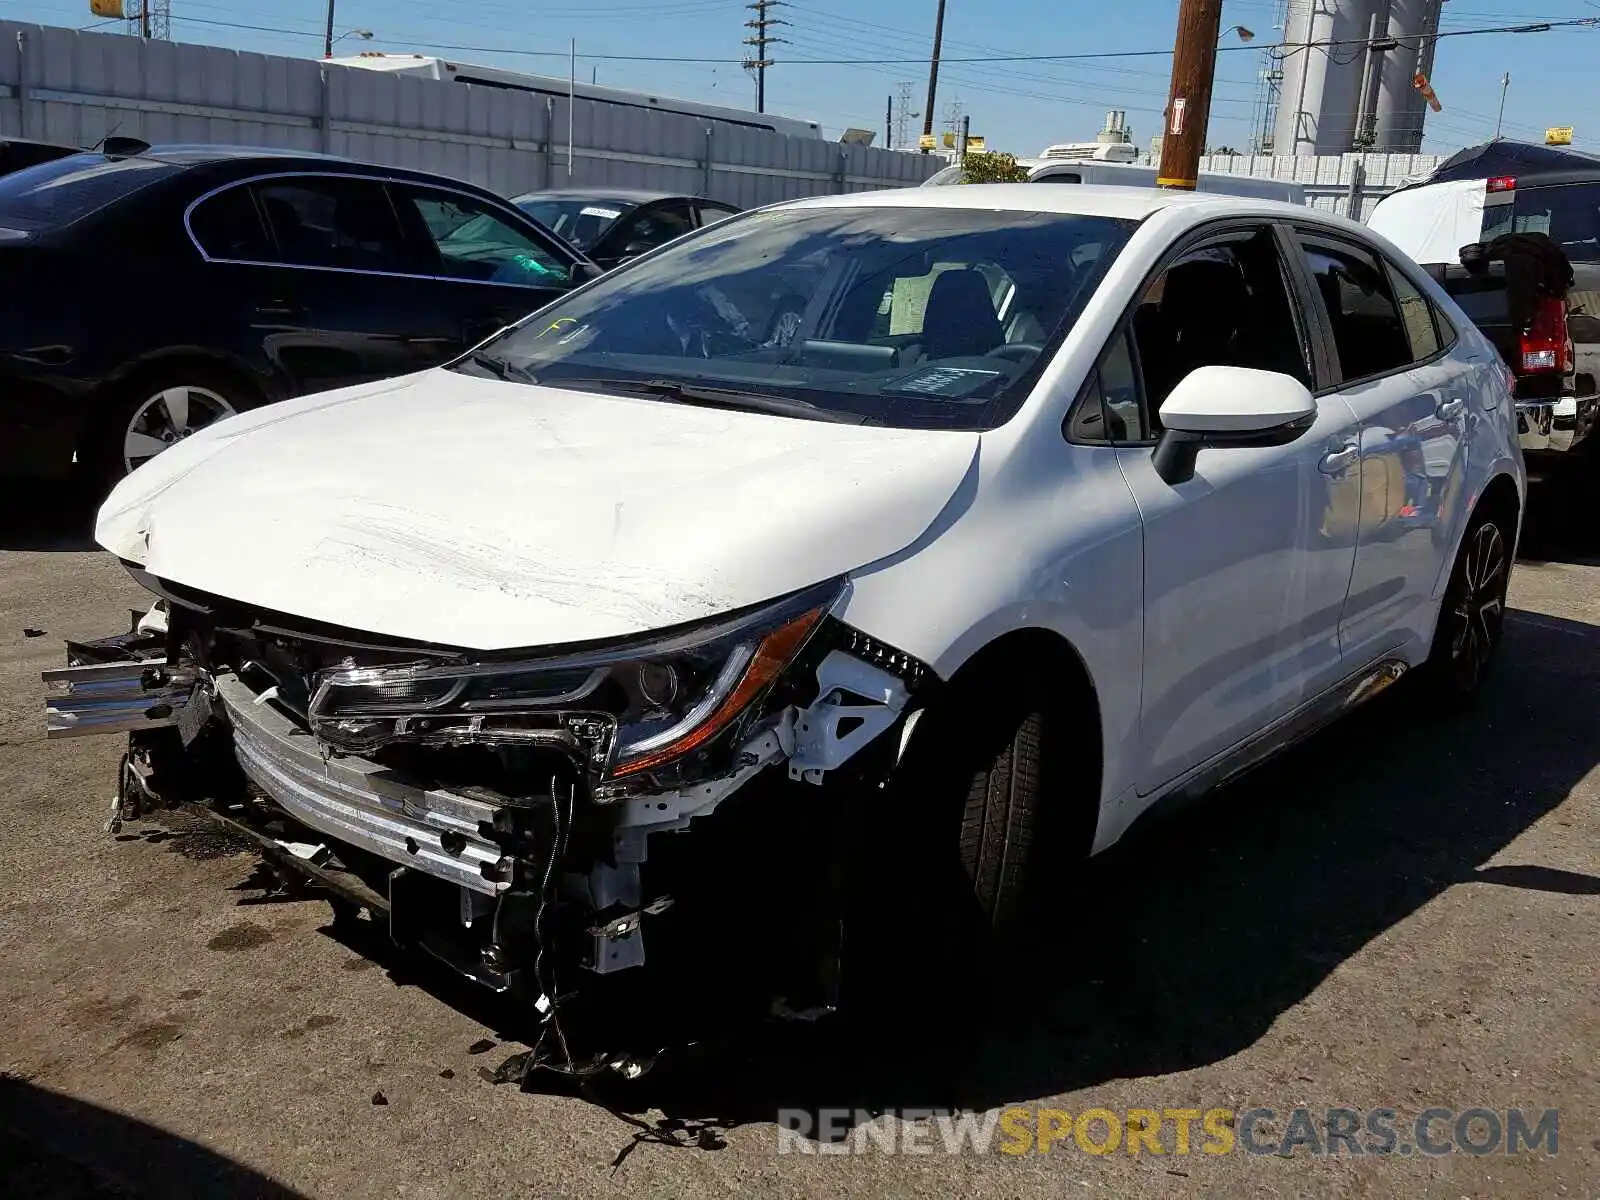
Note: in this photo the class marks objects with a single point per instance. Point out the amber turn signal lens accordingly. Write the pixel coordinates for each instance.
(774, 653)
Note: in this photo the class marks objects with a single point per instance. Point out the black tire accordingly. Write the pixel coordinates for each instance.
(947, 870)
(136, 409)
(1472, 614)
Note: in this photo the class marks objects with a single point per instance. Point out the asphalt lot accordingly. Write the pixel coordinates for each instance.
(1402, 913)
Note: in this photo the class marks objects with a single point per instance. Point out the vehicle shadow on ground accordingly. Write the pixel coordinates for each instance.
(55, 1147)
(1182, 946)
(46, 515)
(1563, 518)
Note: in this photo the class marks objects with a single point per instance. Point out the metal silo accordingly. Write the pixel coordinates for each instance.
(1321, 81)
(1398, 106)
(1324, 63)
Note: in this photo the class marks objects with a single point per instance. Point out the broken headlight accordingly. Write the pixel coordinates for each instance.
(623, 709)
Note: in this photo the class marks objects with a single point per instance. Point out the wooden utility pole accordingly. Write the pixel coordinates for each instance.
(933, 72)
(1194, 61)
(762, 39)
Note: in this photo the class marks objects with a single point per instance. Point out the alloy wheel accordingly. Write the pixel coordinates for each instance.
(168, 417)
(1480, 604)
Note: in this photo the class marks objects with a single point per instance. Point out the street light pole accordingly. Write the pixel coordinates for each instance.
(1505, 83)
(327, 41)
(1194, 62)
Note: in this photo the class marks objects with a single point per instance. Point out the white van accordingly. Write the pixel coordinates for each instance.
(1111, 174)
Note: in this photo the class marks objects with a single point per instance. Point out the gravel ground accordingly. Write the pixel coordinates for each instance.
(1402, 913)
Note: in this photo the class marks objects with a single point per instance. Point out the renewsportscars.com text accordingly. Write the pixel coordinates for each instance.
(1178, 1132)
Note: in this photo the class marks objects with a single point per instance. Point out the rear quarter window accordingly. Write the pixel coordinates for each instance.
(58, 193)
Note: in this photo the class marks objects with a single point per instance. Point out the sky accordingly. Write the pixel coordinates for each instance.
(1017, 106)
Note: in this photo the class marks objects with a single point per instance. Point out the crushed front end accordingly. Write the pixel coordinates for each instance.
(509, 813)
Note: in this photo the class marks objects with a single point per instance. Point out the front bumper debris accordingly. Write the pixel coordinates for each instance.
(115, 697)
(513, 865)
(356, 801)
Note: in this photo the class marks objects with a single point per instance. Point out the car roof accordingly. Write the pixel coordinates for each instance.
(194, 156)
(614, 195)
(1091, 200)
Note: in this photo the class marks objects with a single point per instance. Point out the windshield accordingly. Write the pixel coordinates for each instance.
(918, 318)
(581, 222)
(57, 193)
(1568, 214)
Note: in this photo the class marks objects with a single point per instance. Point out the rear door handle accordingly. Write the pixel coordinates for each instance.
(1340, 460)
(281, 310)
(1449, 410)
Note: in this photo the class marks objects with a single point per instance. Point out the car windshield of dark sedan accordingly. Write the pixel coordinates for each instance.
(57, 193)
(936, 317)
(581, 222)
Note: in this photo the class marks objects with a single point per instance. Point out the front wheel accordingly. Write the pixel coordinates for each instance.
(1472, 615)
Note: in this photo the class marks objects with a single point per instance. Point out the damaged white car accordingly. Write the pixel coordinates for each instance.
(715, 617)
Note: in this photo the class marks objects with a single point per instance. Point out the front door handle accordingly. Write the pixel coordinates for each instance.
(1342, 459)
(1449, 410)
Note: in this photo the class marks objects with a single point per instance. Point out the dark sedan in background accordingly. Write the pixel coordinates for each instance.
(611, 226)
(149, 292)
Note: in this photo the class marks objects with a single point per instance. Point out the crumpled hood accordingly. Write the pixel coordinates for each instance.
(490, 515)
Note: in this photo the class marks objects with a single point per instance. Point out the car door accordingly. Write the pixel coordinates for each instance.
(491, 265)
(1412, 405)
(344, 301)
(1243, 589)
(642, 230)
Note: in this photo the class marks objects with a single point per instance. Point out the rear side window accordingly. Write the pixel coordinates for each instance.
(1417, 314)
(1567, 213)
(57, 193)
(335, 222)
(228, 225)
(1368, 330)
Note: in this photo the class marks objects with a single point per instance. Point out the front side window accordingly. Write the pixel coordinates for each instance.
(655, 226)
(475, 242)
(885, 314)
(1368, 329)
(335, 222)
(1226, 304)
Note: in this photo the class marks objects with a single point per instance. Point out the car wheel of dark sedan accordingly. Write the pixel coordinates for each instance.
(159, 411)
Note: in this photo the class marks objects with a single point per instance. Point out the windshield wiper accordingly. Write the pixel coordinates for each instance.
(500, 368)
(716, 397)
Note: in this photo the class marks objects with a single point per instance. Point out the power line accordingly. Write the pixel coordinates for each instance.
(1081, 56)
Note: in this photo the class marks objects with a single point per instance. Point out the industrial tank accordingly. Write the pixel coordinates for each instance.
(1324, 65)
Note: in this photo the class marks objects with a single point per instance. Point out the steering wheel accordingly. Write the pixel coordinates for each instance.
(1020, 351)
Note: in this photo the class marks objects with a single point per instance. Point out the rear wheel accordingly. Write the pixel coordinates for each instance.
(1472, 615)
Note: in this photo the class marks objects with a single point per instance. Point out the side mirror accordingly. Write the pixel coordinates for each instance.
(634, 249)
(1229, 406)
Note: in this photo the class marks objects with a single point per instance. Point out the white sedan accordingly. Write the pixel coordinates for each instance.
(931, 534)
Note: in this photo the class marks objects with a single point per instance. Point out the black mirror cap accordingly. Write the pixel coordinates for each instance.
(1175, 454)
